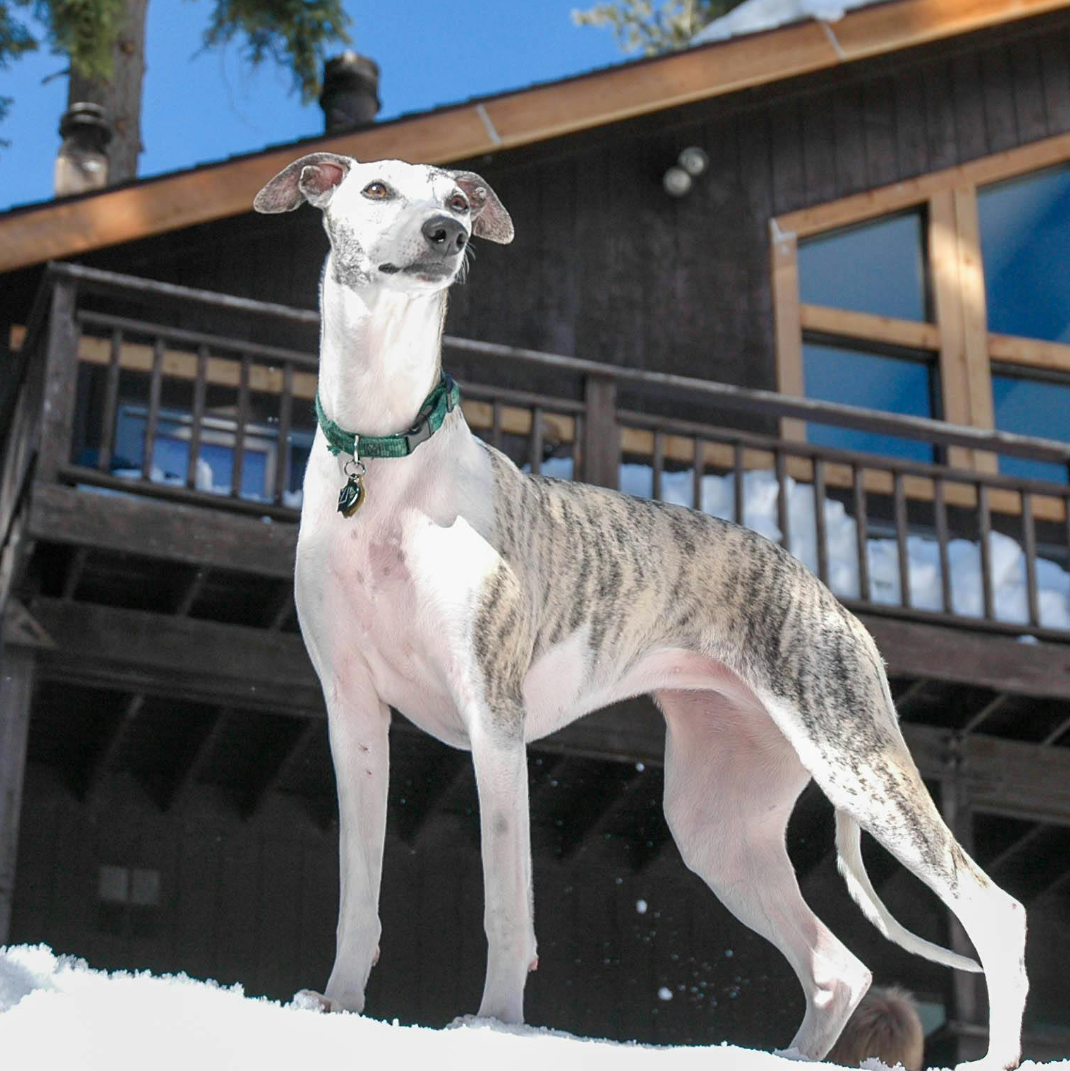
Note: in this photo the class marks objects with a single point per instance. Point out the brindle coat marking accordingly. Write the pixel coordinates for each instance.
(492, 607)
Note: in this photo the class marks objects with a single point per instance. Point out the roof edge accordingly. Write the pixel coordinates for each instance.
(509, 120)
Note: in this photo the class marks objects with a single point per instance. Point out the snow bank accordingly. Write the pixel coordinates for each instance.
(55, 1012)
(754, 16)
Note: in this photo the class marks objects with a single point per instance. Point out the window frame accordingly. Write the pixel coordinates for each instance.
(958, 333)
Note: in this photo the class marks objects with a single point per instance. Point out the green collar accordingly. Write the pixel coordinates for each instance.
(442, 400)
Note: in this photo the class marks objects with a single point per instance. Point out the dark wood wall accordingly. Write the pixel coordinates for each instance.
(607, 266)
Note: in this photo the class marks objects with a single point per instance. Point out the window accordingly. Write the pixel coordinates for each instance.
(1025, 235)
(1036, 407)
(877, 268)
(898, 384)
(215, 463)
(945, 296)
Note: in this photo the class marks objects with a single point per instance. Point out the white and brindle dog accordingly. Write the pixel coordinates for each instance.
(493, 607)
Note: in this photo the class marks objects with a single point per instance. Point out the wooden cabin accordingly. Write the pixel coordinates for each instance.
(852, 332)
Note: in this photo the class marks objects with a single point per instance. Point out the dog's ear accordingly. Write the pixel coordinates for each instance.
(313, 178)
(489, 217)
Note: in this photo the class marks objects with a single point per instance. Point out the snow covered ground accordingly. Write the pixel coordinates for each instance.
(57, 1013)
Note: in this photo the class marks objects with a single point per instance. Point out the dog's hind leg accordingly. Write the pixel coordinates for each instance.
(731, 782)
(841, 720)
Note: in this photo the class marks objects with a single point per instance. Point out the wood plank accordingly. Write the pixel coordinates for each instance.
(157, 529)
(974, 321)
(155, 206)
(787, 322)
(916, 649)
(863, 325)
(16, 693)
(154, 653)
(1031, 352)
(945, 272)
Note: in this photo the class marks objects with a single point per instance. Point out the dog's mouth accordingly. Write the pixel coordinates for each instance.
(426, 271)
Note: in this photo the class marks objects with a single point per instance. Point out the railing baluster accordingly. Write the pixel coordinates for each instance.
(152, 420)
(901, 539)
(858, 486)
(237, 470)
(940, 517)
(496, 425)
(200, 387)
(698, 471)
(738, 506)
(783, 506)
(111, 402)
(1029, 543)
(577, 448)
(535, 441)
(820, 520)
(282, 442)
(984, 527)
(658, 463)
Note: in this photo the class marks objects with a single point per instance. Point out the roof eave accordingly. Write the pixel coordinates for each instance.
(68, 228)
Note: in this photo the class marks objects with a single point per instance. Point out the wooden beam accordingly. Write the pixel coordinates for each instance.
(431, 783)
(109, 751)
(151, 528)
(188, 777)
(1031, 352)
(185, 658)
(910, 334)
(787, 325)
(942, 653)
(284, 764)
(191, 592)
(16, 693)
(153, 206)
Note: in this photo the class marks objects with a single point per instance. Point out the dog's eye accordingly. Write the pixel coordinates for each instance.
(376, 191)
(458, 203)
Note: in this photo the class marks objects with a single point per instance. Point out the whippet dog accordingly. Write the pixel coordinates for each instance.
(493, 607)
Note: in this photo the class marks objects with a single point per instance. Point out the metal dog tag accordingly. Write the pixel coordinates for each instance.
(352, 496)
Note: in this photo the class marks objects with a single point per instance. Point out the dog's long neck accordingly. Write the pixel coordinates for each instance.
(380, 354)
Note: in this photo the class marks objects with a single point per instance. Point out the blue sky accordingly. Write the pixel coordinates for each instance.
(202, 107)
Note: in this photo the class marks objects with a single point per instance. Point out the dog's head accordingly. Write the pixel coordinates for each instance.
(405, 226)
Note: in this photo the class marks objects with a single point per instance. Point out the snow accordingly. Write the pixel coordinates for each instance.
(753, 16)
(56, 1012)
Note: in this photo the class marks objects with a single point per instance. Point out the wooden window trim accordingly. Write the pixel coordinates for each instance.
(958, 332)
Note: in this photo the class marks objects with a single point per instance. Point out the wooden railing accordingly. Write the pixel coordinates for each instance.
(130, 401)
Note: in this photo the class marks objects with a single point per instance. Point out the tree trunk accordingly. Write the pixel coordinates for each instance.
(120, 96)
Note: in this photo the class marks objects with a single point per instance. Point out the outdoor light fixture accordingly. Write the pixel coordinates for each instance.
(691, 163)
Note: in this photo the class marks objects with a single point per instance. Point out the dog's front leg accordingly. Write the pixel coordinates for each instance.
(500, 760)
(360, 750)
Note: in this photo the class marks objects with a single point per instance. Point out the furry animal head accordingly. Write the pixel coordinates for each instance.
(403, 226)
(884, 1025)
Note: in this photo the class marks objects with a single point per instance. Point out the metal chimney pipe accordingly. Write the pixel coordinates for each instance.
(350, 96)
(82, 162)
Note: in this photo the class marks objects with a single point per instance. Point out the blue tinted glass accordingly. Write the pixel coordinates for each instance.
(893, 384)
(1032, 407)
(1025, 235)
(877, 268)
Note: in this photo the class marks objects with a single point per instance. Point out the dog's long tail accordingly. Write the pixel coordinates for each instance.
(849, 848)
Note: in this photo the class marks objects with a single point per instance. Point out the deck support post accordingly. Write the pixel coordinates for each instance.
(601, 438)
(16, 690)
(966, 1000)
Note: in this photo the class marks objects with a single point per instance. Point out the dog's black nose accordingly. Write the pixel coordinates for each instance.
(445, 235)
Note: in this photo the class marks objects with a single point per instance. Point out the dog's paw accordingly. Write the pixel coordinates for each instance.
(310, 1000)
